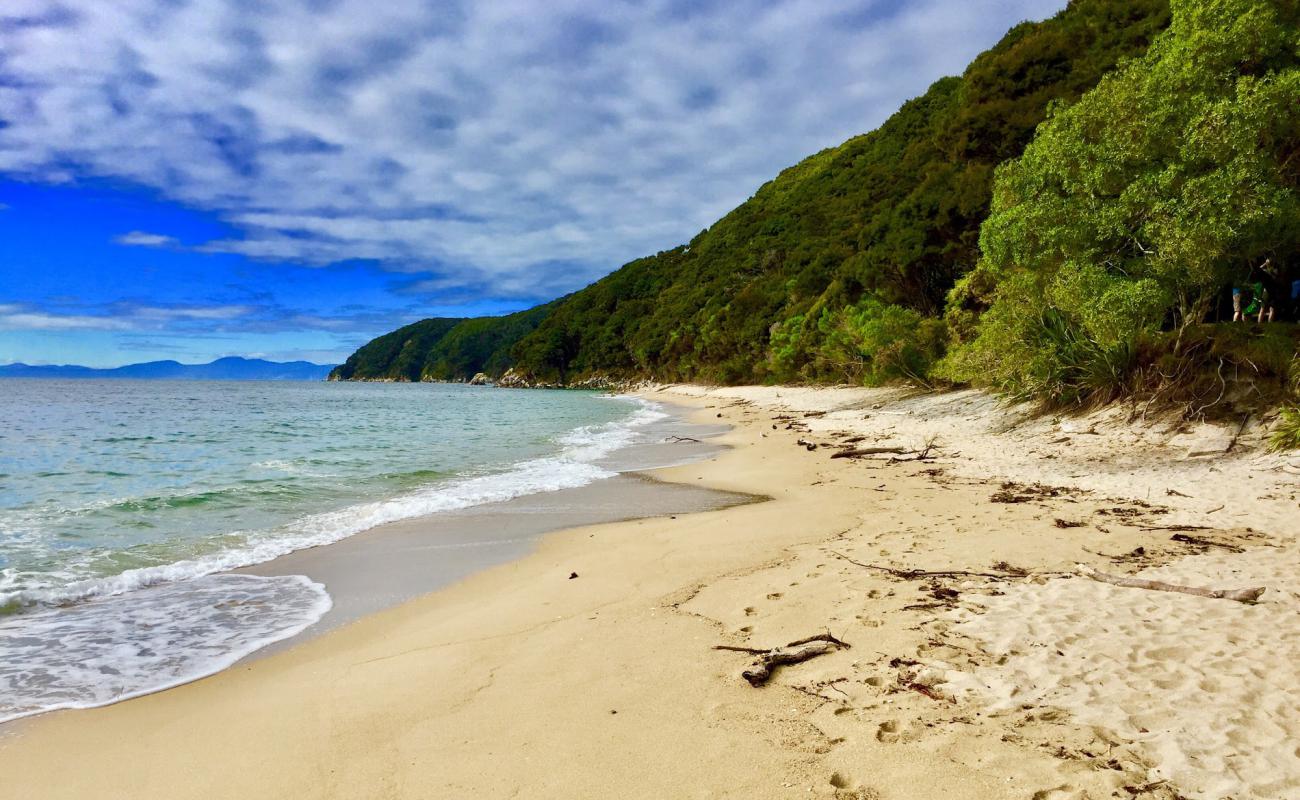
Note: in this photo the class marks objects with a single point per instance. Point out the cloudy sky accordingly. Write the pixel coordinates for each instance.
(195, 178)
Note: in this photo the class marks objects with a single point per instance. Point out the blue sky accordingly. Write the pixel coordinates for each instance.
(196, 178)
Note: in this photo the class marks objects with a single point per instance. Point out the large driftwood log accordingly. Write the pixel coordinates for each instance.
(1240, 595)
(768, 660)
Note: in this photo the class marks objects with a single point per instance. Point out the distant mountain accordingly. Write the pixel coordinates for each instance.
(232, 368)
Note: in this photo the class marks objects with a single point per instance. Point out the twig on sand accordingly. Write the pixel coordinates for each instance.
(1175, 527)
(682, 439)
(915, 574)
(793, 653)
(1185, 539)
(1248, 596)
(893, 450)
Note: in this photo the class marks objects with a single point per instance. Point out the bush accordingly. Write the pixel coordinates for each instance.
(1286, 436)
(1132, 210)
(875, 344)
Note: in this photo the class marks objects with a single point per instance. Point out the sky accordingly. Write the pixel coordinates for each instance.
(190, 179)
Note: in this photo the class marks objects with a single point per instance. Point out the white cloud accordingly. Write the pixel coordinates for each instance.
(142, 239)
(16, 320)
(119, 317)
(485, 143)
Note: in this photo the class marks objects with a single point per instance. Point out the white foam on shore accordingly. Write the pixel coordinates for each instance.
(92, 642)
(115, 648)
(570, 468)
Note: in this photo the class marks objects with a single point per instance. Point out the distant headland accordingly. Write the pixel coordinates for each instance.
(231, 368)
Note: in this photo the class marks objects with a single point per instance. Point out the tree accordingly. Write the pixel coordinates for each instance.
(1132, 209)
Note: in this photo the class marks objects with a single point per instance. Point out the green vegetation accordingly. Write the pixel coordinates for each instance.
(883, 224)
(890, 217)
(870, 343)
(1064, 221)
(1286, 436)
(1134, 210)
(441, 349)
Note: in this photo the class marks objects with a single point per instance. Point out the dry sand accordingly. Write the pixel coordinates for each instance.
(519, 682)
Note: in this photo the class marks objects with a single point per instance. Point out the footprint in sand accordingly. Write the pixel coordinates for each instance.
(888, 731)
(844, 790)
(774, 596)
(749, 611)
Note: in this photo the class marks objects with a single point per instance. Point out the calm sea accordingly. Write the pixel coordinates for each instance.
(123, 502)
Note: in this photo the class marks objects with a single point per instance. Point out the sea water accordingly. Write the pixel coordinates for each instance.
(124, 503)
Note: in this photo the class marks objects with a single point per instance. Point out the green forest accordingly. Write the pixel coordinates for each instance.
(1070, 220)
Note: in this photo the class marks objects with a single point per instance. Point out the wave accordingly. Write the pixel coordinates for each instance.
(570, 468)
(116, 648)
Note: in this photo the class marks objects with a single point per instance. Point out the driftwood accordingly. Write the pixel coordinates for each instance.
(799, 650)
(858, 452)
(1196, 540)
(1249, 596)
(917, 574)
(916, 455)
(682, 439)
(1175, 527)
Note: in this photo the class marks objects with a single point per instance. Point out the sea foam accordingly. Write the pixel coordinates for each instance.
(85, 643)
(115, 648)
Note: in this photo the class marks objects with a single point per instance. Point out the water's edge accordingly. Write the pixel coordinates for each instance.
(397, 562)
(327, 585)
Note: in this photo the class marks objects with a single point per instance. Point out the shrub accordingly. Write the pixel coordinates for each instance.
(1286, 436)
(873, 343)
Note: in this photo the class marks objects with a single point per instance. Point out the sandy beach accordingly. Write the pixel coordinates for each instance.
(1005, 675)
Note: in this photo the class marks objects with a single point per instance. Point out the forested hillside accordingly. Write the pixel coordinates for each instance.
(891, 217)
(441, 349)
(1072, 261)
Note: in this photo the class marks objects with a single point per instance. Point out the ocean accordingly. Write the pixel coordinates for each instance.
(124, 504)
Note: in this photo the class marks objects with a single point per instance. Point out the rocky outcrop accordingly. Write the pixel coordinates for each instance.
(517, 380)
(514, 379)
(480, 379)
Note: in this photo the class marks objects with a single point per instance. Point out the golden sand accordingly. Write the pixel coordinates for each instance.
(522, 682)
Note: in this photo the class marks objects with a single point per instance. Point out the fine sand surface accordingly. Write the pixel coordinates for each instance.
(1022, 681)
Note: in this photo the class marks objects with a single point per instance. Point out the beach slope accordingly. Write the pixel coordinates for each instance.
(525, 681)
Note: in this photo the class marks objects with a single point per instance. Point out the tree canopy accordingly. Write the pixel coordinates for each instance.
(1134, 209)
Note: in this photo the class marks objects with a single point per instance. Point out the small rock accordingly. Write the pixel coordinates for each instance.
(572, 575)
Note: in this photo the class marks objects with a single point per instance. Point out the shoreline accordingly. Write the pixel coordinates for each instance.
(400, 561)
(347, 578)
(520, 681)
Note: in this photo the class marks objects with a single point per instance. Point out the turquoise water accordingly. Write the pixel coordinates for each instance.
(122, 501)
